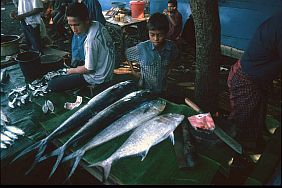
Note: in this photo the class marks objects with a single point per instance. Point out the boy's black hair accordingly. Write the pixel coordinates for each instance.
(158, 21)
(78, 10)
(174, 2)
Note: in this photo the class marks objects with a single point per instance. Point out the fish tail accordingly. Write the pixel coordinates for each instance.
(37, 157)
(77, 155)
(53, 153)
(60, 153)
(31, 148)
(106, 165)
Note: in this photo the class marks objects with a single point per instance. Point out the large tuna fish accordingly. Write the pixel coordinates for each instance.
(100, 121)
(143, 138)
(80, 117)
(127, 122)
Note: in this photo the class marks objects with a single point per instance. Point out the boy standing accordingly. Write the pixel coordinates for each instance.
(29, 17)
(154, 55)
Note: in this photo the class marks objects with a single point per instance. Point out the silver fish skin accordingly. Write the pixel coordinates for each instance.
(127, 122)
(3, 146)
(50, 105)
(101, 121)
(5, 138)
(15, 130)
(10, 135)
(143, 138)
(5, 118)
(80, 117)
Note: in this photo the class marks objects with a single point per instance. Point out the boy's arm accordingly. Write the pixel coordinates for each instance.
(79, 70)
(132, 55)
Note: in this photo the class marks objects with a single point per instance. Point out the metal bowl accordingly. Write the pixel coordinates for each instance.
(9, 44)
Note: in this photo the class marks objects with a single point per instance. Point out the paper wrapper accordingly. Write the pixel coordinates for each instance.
(71, 106)
(202, 121)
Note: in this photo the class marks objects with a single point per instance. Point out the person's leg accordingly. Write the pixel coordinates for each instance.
(32, 36)
(36, 39)
(26, 33)
(66, 82)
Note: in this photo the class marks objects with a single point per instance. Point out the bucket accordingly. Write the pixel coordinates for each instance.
(137, 9)
(30, 65)
(9, 44)
(51, 62)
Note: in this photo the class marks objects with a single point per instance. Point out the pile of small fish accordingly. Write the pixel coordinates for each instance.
(22, 95)
(9, 133)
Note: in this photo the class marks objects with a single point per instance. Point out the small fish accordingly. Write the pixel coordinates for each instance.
(11, 103)
(15, 130)
(5, 138)
(45, 108)
(10, 135)
(50, 105)
(5, 118)
(3, 146)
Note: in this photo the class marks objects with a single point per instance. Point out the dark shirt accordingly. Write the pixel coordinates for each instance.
(95, 11)
(262, 59)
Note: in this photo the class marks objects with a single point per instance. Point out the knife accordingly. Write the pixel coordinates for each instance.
(231, 142)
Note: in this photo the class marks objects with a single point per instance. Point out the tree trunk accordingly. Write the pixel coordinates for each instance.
(207, 30)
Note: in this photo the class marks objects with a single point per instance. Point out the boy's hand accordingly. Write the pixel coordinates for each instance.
(19, 17)
(13, 14)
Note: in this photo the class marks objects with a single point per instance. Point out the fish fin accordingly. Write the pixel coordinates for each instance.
(37, 157)
(144, 154)
(78, 155)
(106, 165)
(53, 153)
(60, 153)
(31, 168)
(171, 137)
(34, 146)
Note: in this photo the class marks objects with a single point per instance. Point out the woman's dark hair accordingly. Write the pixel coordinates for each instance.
(78, 10)
(158, 21)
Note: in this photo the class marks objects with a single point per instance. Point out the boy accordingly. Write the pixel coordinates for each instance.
(92, 45)
(154, 55)
(30, 19)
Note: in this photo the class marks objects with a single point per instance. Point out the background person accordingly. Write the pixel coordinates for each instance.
(250, 79)
(29, 16)
(175, 21)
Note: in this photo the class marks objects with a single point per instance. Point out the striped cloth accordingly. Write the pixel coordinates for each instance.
(248, 104)
(153, 63)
